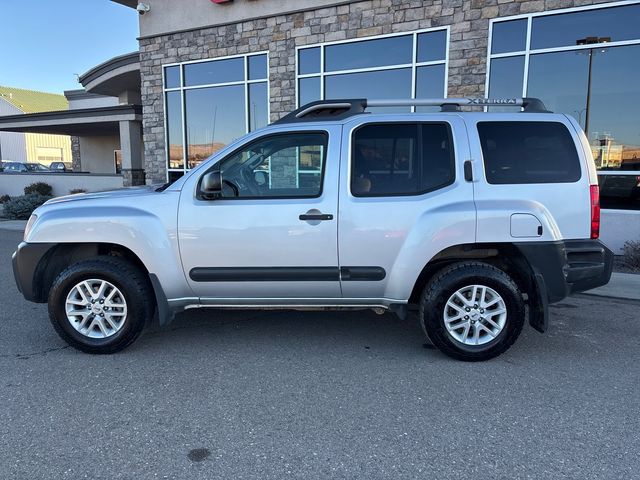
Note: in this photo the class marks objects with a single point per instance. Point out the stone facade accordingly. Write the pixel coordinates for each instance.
(76, 163)
(469, 21)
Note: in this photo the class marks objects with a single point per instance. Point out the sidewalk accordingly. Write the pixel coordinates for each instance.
(621, 285)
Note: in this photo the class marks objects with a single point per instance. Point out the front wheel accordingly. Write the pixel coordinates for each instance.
(100, 305)
(472, 311)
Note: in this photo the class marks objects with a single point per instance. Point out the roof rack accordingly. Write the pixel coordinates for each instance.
(342, 109)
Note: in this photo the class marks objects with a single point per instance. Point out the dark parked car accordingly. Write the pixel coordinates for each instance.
(19, 167)
(60, 167)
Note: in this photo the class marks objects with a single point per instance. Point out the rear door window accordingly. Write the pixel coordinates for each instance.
(395, 159)
(528, 152)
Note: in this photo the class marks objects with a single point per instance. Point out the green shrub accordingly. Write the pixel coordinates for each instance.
(21, 208)
(77, 190)
(4, 198)
(40, 188)
(631, 255)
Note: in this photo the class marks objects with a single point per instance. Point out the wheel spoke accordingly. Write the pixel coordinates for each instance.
(110, 321)
(483, 294)
(462, 298)
(492, 323)
(493, 313)
(488, 330)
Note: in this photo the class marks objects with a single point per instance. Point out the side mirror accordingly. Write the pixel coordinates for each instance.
(211, 185)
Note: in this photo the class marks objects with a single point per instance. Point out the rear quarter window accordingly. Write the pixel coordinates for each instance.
(528, 152)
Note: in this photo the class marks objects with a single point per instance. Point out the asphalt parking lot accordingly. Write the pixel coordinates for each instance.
(274, 395)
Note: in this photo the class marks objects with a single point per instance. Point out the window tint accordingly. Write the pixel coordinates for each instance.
(528, 152)
(401, 159)
(218, 71)
(289, 165)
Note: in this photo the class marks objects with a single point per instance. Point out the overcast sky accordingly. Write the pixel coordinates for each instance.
(44, 43)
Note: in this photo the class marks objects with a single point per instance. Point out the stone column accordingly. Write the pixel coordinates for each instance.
(76, 162)
(132, 153)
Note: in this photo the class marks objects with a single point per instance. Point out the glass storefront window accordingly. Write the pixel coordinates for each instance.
(175, 140)
(404, 66)
(210, 73)
(564, 30)
(509, 36)
(172, 77)
(432, 46)
(371, 85)
(584, 63)
(309, 60)
(220, 101)
(369, 53)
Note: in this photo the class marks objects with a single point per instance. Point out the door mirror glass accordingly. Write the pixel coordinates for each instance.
(211, 185)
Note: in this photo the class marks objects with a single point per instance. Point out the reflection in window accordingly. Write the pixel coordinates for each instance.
(369, 53)
(505, 80)
(371, 85)
(429, 84)
(432, 46)
(617, 23)
(593, 79)
(509, 36)
(234, 101)
(209, 73)
(560, 80)
(276, 166)
(213, 120)
(379, 68)
(309, 60)
(308, 90)
(174, 130)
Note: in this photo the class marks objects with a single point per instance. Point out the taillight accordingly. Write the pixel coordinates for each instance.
(595, 211)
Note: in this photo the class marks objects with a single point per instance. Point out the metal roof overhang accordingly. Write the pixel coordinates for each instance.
(80, 122)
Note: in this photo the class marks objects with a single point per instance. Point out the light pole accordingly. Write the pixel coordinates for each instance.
(591, 52)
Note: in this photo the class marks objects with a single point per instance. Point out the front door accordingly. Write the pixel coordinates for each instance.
(271, 236)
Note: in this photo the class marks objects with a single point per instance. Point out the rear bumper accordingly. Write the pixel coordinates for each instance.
(569, 266)
(26, 260)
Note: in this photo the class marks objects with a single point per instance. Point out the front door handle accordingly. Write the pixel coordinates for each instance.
(315, 215)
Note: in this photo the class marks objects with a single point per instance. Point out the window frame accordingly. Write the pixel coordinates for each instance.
(417, 123)
(182, 89)
(244, 146)
(414, 65)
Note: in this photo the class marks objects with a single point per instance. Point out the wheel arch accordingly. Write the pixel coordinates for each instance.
(505, 256)
(62, 255)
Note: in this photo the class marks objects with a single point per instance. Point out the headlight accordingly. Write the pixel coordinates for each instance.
(27, 229)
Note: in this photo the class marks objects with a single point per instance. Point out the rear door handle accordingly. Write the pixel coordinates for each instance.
(316, 216)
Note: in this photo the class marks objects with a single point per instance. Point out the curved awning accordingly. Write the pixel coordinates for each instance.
(115, 76)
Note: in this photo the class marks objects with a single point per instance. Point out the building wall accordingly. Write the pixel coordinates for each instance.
(12, 145)
(13, 184)
(96, 153)
(280, 34)
(41, 140)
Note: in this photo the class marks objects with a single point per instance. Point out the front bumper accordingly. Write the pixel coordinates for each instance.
(569, 266)
(26, 262)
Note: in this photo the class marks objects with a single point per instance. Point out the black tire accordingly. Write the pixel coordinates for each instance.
(459, 275)
(135, 288)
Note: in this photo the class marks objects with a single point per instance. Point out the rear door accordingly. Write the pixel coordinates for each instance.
(403, 198)
(531, 181)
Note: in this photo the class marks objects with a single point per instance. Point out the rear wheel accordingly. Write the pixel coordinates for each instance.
(100, 305)
(472, 311)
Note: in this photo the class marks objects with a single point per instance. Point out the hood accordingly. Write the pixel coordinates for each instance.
(119, 193)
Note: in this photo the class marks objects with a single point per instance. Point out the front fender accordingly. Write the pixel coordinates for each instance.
(151, 236)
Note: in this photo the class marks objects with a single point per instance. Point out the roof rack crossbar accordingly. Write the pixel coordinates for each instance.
(344, 108)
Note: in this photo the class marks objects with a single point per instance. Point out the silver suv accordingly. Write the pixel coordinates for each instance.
(477, 220)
